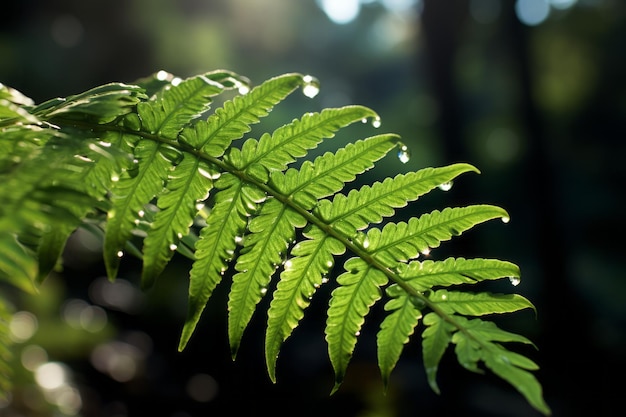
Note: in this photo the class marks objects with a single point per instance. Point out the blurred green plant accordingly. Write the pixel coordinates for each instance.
(148, 168)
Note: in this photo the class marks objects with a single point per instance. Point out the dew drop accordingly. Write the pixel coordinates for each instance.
(141, 213)
(163, 75)
(505, 219)
(329, 264)
(324, 280)
(515, 281)
(311, 86)
(444, 297)
(358, 333)
(239, 240)
(288, 264)
(446, 186)
(366, 243)
(173, 247)
(243, 89)
(404, 155)
(199, 206)
(120, 253)
(115, 178)
(263, 291)
(376, 122)
(426, 252)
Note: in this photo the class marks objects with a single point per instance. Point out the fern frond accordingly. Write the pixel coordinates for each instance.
(166, 114)
(264, 250)
(226, 224)
(233, 120)
(131, 193)
(435, 340)
(476, 343)
(370, 204)
(455, 271)
(151, 155)
(101, 104)
(399, 242)
(311, 261)
(330, 172)
(349, 304)
(396, 329)
(291, 141)
(478, 304)
(189, 183)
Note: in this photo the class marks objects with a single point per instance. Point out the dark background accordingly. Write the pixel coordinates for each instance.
(539, 107)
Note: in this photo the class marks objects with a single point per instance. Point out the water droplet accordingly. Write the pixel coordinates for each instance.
(120, 253)
(446, 186)
(163, 75)
(426, 252)
(515, 281)
(263, 291)
(239, 240)
(311, 86)
(444, 297)
(199, 206)
(141, 213)
(506, 219)
(115, 178)
(324, 280)
(358, 333)
(404, 155)
(288, 264)
(366, 243)
(173, 246)
(243, 88)
(329, 264)
(376, 122)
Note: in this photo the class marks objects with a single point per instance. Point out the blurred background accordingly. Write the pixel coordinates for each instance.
(532, 92)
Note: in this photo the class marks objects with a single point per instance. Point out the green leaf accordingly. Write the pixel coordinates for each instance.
(478, 304)
(291, 141)
(233, 120)
(330, 172)
(370, 204)
(436, 338)
(475, 344)
(395, 329)
(131, 193)
(101, 104)
(455, 271)
(173, 107)
(18, 265)
(187, 184)
(216, 245)
(404, 241)
(264, 250)
(303, 274)
(359, 289)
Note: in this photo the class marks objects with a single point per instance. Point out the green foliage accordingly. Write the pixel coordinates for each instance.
(149, 161)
